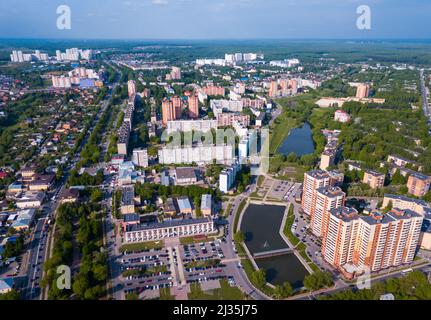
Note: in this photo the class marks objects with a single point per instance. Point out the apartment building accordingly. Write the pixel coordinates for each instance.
(354, 244)
(325, 199)
(314, 180)
(418, 184)
(374, 179)
(340, 236)
(200, 154)
(193, 102)
(140, 157)
(228, 119)
(406, 203)
(191, 125)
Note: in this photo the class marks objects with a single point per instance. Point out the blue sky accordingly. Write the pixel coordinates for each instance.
(215, 19)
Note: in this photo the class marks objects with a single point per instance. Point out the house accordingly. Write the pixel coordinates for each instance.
(5, 286)
(42, 182)
(127, 199)
(184, 205)
(206, 205)
(24, 219)
(69, 196)
(185, 176)
(169, 207)
(30, 199)
(15, 188)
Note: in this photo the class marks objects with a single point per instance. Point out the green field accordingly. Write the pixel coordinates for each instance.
(137, 247)
(225, 292)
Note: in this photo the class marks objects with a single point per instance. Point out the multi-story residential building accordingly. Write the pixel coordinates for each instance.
(403, 162)
(354, 244)
(191, 125)
(418, 184)
(339, 239)
(169, 229)
(227, 177)
(193, 102)
(123, 138)
(220, 106)
(362, 91)
(200, 154)
(175, 74)
(326, 199)
(327, 159)
(406, 203)
(313, 180)
(213, 91)
(374, 179)
(169, 112)
(228, 119)
(131, 87)
(140, 157)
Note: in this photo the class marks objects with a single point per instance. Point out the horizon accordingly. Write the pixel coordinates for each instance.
(215, 20)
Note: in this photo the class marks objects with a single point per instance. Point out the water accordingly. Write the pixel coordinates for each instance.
(261, 225)
(299, 141)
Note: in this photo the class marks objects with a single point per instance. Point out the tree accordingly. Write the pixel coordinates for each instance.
(239, 237)
(318, 280)
(292, 157)
(258, 277)
(96, 195)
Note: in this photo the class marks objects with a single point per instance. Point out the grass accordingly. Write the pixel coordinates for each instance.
(165, 294)
(280, 130)
(191, 240)
(203, 263)
(238, 214)
(226, 212)
(260, 181)
(143, 246)
(225, 292)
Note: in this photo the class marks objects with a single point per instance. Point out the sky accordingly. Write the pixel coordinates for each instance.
(216, 19)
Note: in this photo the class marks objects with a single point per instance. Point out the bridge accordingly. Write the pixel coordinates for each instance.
(272, 253)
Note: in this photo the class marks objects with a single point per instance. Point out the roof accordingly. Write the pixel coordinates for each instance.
(185, 173)
(4, 285)
(404, 198)
(184, 203)
(131, 217)
(206, 201)
(168, 224)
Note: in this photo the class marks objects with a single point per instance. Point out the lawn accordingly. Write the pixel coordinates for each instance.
(280, 130)
(190, 240)
(225, 292)
(165, 294)
(138, 247)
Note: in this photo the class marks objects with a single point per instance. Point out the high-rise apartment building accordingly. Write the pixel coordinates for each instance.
(193, 106)
(325, 199)
(168, 111)
(362, 91)
(131, 86)
(418, 184)
(354, 243)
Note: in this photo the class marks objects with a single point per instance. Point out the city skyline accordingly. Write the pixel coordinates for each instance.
(221, 19)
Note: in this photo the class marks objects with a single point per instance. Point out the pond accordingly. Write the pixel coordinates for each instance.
(261, 225)
(299, 141)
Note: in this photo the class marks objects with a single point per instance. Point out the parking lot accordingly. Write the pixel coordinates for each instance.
(174, 266)
(282, 190)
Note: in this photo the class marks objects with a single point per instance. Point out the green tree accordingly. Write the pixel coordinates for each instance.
(258, 277)
(239, 237)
